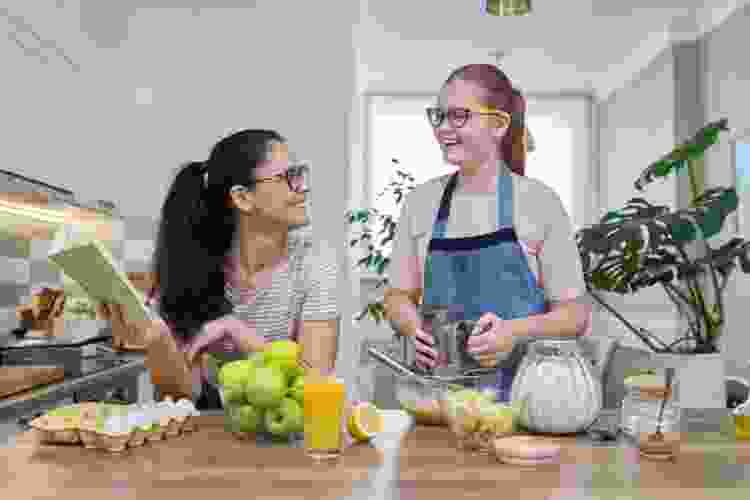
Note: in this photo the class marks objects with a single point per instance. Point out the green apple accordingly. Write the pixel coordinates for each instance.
(282, 354)
(297, 389)
(285, 419)
(256, 359)
(298, 370)
(234, 393)
(234, 373)
(250, 419)
(265, 387)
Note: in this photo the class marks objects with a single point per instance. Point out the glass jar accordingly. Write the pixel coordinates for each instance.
(640, 412)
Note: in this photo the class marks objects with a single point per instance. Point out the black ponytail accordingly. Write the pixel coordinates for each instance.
(197, 229)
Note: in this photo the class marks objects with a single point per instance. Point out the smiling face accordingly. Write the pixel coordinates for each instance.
(478, 140)
(273, 202)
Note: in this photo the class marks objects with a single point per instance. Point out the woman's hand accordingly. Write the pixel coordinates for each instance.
(227, 334)
(497, 338)
(426, 357)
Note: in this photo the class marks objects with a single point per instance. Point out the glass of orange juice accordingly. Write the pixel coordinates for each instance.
(324, 398)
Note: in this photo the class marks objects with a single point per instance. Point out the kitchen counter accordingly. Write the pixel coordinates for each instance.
(708, 466)
(209, 461)
(422, 464)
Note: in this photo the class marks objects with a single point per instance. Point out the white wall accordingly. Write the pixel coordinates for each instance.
(727, 83)
(636, 128)
(638, 125)
(223, 70)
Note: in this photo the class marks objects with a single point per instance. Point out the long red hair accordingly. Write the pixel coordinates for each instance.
(501, 95)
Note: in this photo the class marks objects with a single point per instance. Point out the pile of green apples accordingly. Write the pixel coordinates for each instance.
(265, 392)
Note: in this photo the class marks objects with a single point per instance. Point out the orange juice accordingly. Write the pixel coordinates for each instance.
(324, 413)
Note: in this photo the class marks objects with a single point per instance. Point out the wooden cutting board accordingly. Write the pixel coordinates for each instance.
(15, 379)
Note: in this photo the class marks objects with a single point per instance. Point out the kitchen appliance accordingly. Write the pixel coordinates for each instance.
(69, 350)
(450, 337)
(70, 337)
(555, 388)
(73, 363)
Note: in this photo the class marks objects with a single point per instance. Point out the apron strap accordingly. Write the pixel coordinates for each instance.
(504, 200)
(445, 201)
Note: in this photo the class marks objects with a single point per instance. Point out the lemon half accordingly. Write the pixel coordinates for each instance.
(365, 421)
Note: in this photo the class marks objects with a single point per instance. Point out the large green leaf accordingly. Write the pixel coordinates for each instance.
(692, 149)
(621, 253)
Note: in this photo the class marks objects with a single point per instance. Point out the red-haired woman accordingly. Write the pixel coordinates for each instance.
(486, 241)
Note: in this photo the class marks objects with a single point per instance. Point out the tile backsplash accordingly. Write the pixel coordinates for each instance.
(24, 264)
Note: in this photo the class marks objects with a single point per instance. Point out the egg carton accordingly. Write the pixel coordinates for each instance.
(115, 427)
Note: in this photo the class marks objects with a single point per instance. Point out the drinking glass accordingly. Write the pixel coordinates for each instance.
(323, 414)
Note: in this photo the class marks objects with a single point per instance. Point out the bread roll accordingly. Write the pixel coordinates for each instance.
(527, 450)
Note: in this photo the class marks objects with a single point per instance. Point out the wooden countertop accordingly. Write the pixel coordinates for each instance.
(432, 468)
(212, 464)
(208, 463)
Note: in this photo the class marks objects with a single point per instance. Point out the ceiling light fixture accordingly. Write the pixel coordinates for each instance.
(506, 7)
(497, 55)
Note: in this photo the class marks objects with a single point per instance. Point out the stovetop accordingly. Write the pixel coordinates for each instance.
(71, 359)
(96, 364)
(70, 338)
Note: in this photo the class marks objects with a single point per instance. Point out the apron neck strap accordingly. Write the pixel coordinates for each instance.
(504, 195)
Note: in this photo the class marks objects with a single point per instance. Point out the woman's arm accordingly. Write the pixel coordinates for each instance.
(171, 372)
(561, 276)
(167, 365)
(401, 310)
(565, 319)
(405, 276)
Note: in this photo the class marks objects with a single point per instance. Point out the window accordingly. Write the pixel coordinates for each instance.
(398, 129)
(742, 180)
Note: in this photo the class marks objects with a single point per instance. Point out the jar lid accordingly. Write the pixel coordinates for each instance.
(654, 392)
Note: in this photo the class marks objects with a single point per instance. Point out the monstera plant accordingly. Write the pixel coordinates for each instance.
(643, 245)
(377, 231)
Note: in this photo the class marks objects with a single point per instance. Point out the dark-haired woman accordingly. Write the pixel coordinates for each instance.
(228, 278)
(487, 242)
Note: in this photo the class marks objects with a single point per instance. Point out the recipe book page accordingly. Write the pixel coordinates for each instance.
(92, 266)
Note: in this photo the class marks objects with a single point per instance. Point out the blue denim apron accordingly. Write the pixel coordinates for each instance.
(482, 274)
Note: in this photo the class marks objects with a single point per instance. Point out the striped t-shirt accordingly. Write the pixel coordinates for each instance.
(299, 288)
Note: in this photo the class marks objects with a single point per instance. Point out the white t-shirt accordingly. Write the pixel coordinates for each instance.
(302, 288)
(542, 225)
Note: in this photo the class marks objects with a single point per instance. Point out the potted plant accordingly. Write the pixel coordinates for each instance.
(376, 230)
(644, 245)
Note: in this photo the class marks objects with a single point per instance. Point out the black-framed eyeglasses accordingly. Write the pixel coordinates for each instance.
(297, 178)
(457, 117)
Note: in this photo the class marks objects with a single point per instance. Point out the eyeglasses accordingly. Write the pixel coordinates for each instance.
(296, 177)
(457, 117)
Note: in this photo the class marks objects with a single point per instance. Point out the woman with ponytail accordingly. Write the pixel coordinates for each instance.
(491, 244)
(227, 278)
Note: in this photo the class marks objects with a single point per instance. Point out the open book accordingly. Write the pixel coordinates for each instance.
(92, 266)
